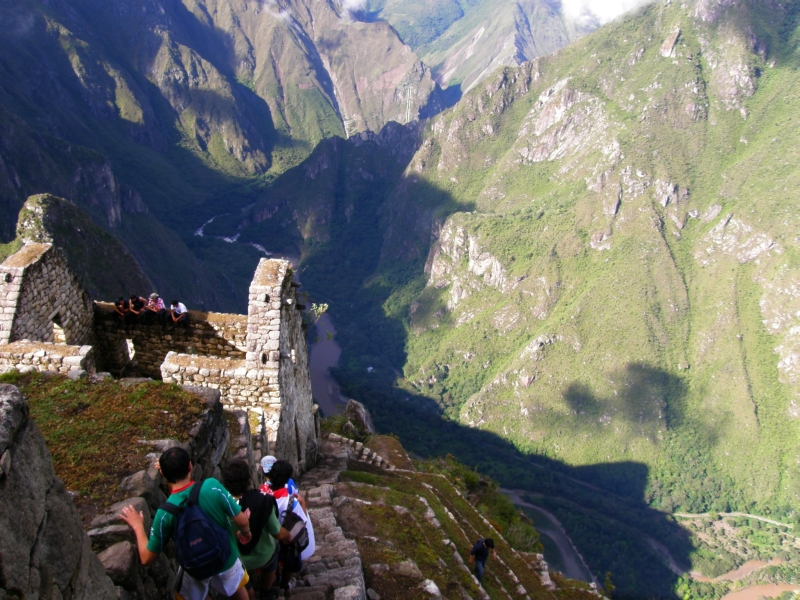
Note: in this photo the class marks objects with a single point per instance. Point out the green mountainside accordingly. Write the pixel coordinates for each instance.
(586, 280)
(155, 118)
(465, 41)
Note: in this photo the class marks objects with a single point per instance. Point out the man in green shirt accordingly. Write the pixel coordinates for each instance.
(260, 557)
(176, 466)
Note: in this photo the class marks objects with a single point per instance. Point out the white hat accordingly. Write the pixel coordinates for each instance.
(267, 462)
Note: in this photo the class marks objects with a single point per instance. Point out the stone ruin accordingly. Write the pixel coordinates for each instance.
(258, 362)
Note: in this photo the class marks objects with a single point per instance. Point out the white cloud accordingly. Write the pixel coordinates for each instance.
(602, 11)
(353, 6)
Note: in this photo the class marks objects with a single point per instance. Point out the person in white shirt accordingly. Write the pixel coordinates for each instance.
(180, 316)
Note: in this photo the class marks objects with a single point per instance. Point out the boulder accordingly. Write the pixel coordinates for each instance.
(358, 414)
(431, 588)
(120, 563)
(408, 568)
(112, 515)
(211, 396)
(141, 484)
(348, 592)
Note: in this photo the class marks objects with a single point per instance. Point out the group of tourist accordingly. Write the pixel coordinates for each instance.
(274, 533)
(150, 310)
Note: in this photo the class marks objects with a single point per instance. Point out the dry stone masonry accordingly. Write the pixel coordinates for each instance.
(42, 300)
(257, 362)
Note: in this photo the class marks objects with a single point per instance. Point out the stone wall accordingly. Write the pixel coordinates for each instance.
(257, 362)
(208, 334)
(43, 356)
(217, 437)
(273, 379)
(44, 552)
(42, 300)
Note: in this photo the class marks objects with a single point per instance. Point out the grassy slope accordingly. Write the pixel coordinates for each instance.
(92, 429)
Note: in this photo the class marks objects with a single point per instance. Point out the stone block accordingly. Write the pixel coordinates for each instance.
(120, 563)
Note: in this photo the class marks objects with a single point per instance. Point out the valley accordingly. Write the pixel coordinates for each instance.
(566, 255)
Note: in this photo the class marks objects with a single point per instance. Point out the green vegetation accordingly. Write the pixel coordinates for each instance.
(592, 326)
(92, 429)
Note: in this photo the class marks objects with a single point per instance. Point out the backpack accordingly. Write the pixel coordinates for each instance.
(296, 526)
(202, 547)
(261, 508)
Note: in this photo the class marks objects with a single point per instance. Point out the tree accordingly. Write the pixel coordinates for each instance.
(608, 586)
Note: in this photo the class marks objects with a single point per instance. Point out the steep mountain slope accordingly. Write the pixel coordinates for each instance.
(623, 289)
(152, 117)
(611, 286)
(465, 41)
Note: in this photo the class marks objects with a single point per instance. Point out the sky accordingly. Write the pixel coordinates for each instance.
(603, 10)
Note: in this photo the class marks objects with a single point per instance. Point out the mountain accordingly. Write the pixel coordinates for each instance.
(156, 118)
(102, 263)
(465, 41)
(585, 280)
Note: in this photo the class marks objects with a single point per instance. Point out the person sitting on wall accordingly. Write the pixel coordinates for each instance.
(121, 309)
(155, 309)
(260, 555)
(219, 510)
(179, 314)
(136, 308)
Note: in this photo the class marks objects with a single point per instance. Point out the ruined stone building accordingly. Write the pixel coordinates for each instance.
(258, 361)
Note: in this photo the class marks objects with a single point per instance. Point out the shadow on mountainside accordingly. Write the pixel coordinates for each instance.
(364, 223)
(365, 245)
(601, 506)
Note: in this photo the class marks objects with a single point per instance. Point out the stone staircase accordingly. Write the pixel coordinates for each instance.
(405, 507)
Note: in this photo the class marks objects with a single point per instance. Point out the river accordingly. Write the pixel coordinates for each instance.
(325, 353)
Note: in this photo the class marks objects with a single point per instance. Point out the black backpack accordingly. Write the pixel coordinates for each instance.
(261, 508)
(202, 547)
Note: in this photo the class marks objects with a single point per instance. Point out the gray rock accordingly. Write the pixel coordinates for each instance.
(77, 374)
(162, 445)
(103, 537)
(348, 592)
(120, 563)
(373, 595)
(112, 515)
(408, 568)
(23, 491)
(62, 537)
(13, 413)
(211, 396)
(98, 377)
(141, 484)
(349, 430)
(91, 581)
(360, 417)
(430, 587)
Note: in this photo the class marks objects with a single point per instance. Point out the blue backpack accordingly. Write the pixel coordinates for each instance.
(202, 547)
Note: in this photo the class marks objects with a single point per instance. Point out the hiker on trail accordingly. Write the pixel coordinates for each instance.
(155, 309)
(179, 314)
(198, 516)
(480, 554)
(293, 515)
(260, 555)
(266, 488)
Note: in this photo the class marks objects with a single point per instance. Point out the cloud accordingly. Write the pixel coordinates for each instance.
(601, 11)
(354, 6)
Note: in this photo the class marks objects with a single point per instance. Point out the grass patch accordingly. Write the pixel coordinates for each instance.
(92, 429)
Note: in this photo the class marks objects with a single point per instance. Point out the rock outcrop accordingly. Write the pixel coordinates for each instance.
(44, 552)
